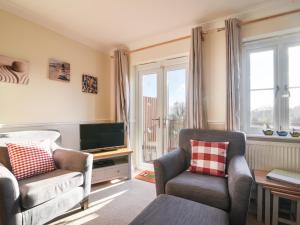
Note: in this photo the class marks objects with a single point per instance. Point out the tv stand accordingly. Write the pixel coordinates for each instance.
(109, 165)
(99, 150)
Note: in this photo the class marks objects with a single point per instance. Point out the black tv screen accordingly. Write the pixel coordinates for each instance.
(104, 135)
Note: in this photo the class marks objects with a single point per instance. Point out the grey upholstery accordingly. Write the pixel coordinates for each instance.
(239, 186)
(37, 200)
(42, 188)
(170, 175)
(171, 210)
(237, 140)
(209, 190)
(167, 167)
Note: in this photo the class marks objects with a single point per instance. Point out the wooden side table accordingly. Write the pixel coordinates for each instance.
(276, 218)
(267, 186)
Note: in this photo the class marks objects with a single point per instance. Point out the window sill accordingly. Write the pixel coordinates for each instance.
(273, 138)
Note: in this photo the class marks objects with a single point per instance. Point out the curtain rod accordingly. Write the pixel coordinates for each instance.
(263, 18)
(218, 30)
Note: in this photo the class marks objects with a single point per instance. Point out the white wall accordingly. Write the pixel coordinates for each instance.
(260, 29)
(44, 100)
(214, 63)
(214, 60)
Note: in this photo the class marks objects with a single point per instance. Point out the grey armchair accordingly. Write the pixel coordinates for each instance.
(230, 194)
(39, 199)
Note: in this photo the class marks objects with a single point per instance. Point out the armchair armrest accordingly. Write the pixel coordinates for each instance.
(167, 167)
(76, 161)
(10, 211)
(239, 186)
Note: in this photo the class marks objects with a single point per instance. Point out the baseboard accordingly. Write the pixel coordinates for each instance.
(216, 125)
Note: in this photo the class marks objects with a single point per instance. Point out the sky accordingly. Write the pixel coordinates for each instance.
(175, 86)
(262, 77)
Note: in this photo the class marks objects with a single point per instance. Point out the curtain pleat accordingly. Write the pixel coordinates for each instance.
(196, 112)
(122, 87)
(233, 49)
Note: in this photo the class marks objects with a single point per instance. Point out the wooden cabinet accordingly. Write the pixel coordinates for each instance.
(111, 165)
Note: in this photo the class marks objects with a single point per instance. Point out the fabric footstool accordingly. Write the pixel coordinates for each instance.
(171, 210)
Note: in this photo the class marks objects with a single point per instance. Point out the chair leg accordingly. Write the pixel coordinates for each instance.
(84, 204)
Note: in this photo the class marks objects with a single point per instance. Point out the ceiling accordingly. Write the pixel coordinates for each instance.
(105, 24)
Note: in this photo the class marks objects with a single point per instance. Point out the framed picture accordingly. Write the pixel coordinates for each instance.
(13, 70)
(59, 70)
(89, 84)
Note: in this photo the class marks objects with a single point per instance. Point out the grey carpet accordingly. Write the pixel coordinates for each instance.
(113, 204)
(116, 204)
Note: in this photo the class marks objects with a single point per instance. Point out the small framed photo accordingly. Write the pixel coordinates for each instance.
(89, 84)
(59, 70)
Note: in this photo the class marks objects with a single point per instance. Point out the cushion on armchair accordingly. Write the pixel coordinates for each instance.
(29, 160)
(208, 157)
(205, 189)
(42, 188)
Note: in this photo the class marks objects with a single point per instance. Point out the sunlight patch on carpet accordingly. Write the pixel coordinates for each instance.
(82, 217)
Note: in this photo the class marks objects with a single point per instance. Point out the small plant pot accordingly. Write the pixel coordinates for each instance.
(282, 133)
(295, 134)
(268, 132)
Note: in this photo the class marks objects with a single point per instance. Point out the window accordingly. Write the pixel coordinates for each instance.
(271, 84)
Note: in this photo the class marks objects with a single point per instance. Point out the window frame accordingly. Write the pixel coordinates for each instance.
(288, 42)
(279, 44)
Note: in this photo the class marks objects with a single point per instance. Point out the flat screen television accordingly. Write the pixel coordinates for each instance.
(101, 136)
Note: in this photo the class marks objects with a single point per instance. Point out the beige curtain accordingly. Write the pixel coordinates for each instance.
(233, 45)
(122, 86)
(196, 113)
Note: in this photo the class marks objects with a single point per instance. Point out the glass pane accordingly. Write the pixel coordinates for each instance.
(294, 66)
(149, 98)
(294, 108)
(176, 106)
(262, 70)
(261, 108)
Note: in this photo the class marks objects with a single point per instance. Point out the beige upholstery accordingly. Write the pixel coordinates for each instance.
(39, 199)
(4, 159)
(42, 188)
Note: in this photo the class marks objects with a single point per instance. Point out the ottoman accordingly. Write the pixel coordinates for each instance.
(171, 210)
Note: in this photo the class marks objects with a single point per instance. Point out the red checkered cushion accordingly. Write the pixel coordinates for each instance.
(209, 157)
(28, 160)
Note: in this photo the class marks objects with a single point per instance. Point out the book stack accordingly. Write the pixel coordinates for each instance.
(285, 176)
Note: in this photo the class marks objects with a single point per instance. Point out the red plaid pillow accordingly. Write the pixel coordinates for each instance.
(29, 160)
(209, 157)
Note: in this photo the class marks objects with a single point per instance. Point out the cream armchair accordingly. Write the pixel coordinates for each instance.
(39, 199)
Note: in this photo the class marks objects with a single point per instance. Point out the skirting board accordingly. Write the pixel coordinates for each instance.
(216, 125)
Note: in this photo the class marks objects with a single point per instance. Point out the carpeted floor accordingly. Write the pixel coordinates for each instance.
(113, 204)
(116, 204)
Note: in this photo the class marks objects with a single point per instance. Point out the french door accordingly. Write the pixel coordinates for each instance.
(161, 108)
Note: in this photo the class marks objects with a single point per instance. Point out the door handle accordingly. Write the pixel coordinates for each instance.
(158, 120)
(277, 90)
(287, 92)
(165, 121)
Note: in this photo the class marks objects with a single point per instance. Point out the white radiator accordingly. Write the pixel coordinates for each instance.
(265, 155)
